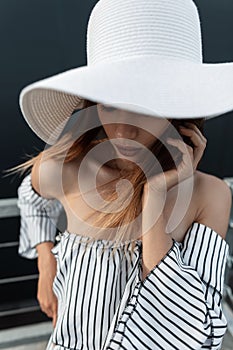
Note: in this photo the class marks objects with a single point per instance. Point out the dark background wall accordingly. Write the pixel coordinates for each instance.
(40, 38)
(217, 28)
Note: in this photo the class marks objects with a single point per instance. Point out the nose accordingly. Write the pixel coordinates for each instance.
(127, 131)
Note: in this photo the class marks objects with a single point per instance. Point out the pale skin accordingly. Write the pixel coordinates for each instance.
(210, 203)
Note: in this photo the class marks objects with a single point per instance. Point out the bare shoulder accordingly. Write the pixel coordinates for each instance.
(214, 200)
(46, 177)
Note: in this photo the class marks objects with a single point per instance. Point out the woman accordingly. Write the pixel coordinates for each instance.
(143, 268)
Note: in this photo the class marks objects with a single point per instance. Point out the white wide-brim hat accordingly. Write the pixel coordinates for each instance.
(143, 56)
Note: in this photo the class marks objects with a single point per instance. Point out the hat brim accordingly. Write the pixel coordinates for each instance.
(155, 86)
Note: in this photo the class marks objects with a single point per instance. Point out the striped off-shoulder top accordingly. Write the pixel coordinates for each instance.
(103, 304)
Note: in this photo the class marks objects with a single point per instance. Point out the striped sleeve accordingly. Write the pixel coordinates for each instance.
(38, 218)
(207, 252)
(178, 305)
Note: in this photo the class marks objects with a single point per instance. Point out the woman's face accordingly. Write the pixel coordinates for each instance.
(130, 127)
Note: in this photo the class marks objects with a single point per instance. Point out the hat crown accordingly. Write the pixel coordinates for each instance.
(125, 28)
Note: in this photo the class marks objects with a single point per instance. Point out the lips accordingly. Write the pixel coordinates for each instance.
(128, 151)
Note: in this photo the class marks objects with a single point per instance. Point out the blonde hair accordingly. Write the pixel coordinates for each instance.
(69, 150)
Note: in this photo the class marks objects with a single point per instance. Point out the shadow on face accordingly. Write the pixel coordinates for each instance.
(129, 126)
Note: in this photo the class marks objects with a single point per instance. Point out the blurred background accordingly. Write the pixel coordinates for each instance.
(40, 38)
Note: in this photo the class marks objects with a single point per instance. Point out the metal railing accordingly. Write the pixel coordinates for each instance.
(9, 209)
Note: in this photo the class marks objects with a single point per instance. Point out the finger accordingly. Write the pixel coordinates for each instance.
(199, 144)
(194, 137)
(54, 308)
(181, 145)
(187, 154)
(47, 310)
(54, 320)
(195, 154)
(197, 140)
(198, 131)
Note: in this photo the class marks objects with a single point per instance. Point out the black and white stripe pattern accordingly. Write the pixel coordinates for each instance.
(178, 305)
(104, 304)
(39, 218)
(89, 286)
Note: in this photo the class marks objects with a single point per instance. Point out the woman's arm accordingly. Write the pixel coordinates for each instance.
(156, 243)
(178, 303)
(39, 207)
(47, 267)
(214, 201)
(39, 218)
(38, 227)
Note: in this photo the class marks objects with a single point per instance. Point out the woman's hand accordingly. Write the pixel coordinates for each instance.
(156, 242)
(157, 186)
(164, 181)
(47, 267)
